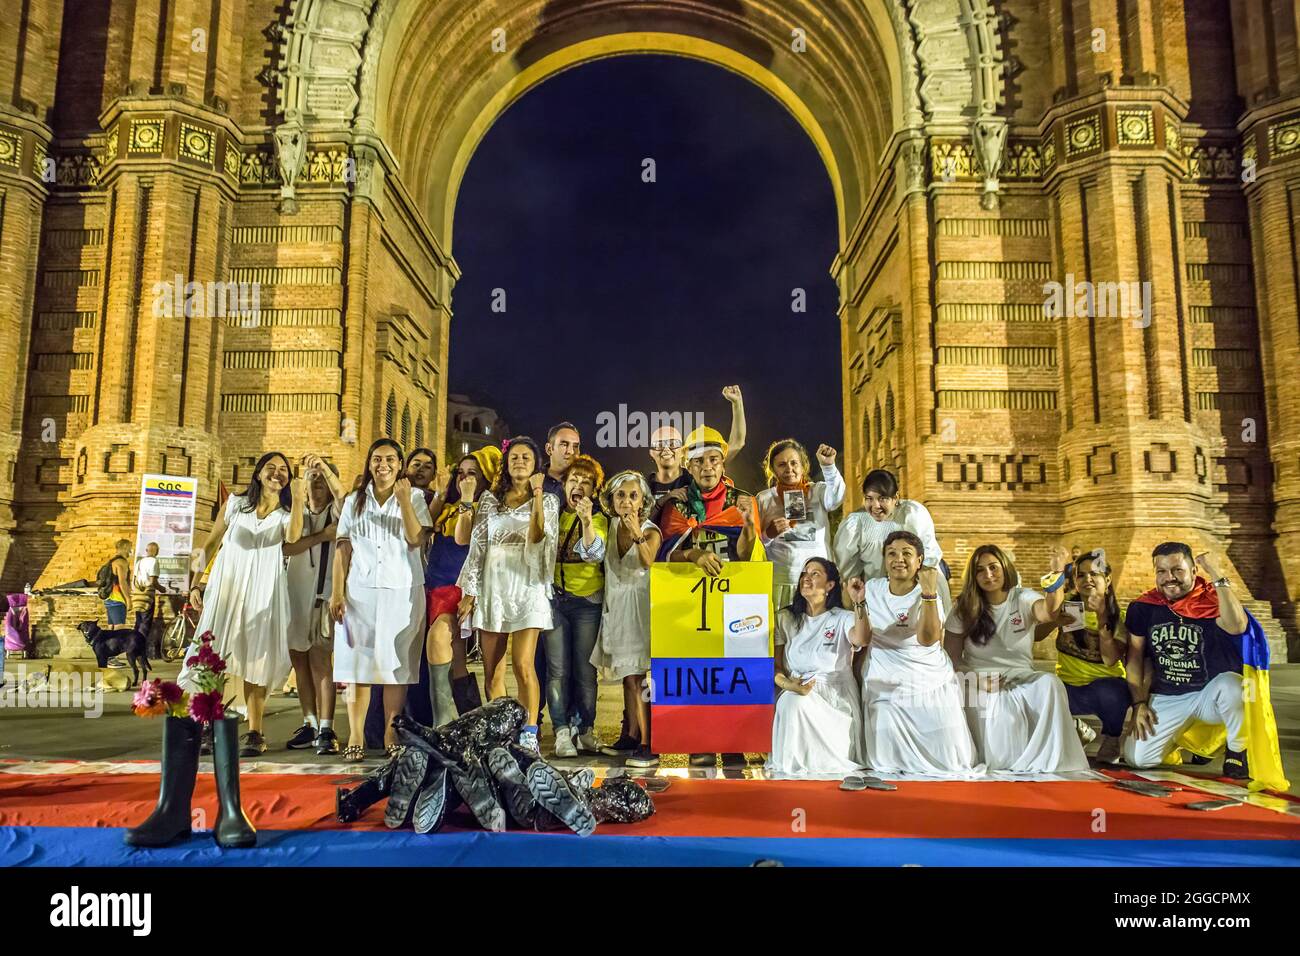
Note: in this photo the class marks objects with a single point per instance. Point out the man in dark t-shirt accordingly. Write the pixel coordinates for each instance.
(1184, 659)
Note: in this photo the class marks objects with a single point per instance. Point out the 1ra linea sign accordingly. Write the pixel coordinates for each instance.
(711, 669)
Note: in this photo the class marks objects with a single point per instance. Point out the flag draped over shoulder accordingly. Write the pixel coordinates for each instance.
(674, 525)
(1262, 748)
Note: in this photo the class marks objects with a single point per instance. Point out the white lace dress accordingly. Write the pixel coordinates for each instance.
(509, 577)
(623, 648)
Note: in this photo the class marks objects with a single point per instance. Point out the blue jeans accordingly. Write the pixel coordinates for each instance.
(570, 676)
(1107, 697)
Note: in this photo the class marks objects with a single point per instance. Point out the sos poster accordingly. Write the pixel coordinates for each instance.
(711, 669)
(167, 520)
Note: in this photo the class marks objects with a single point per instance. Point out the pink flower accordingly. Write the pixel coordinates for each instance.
(206, 708)
(148, 701)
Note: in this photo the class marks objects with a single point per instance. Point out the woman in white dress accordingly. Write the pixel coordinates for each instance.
(246, 601)
(378, 594)
(1019, 716)
(912, 715)
(860, 538)
(623, 648)
(794, 514)
(507, 575)
(817, 728)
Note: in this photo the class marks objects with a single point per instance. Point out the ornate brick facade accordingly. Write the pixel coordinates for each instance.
(1143, 156)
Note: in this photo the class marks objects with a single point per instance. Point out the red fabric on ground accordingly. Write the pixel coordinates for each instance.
(757, 808)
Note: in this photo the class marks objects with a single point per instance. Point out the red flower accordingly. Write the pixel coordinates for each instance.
(170, 690)
(208, 707)
(206, 637)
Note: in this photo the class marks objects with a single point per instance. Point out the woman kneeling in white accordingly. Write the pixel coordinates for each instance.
(818, 722)
(379, 592)
(912, 715)
(1020, 717)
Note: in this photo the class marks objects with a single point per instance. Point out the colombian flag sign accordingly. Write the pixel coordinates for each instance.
(711, 670)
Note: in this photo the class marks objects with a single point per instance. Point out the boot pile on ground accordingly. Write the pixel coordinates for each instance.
(475, 761)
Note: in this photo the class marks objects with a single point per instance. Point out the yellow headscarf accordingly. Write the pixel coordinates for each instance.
(489, 463)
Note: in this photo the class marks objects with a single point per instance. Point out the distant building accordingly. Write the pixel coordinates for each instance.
(471, 424)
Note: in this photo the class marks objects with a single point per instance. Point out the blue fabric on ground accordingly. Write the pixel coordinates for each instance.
(98, 846)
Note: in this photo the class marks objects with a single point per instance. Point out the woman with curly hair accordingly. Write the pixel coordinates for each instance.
(1019, 717)
(507, 575)
(578, 594)
(623, 649)
(794, 513)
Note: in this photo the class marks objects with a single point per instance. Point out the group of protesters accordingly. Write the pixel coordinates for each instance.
(537, 552)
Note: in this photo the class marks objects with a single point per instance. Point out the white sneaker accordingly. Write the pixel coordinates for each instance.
(528, 741)
(564, 743)
(588, 743)
(1086, 734)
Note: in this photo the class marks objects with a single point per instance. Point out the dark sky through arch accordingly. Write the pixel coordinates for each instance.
(649, 295)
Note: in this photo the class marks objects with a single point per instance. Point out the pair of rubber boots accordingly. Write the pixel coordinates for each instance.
(170, 820)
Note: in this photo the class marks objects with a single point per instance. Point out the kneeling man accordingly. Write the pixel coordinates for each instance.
(1184, 660)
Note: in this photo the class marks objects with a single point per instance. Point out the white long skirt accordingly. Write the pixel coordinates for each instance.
(379, 641)
(1026, 727)
(915, 728)
(818, 734)
(508, 599)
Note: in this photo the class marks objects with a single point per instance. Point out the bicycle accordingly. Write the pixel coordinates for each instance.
(179, 634)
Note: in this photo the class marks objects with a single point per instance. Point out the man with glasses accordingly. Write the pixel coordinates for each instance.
(666, 450)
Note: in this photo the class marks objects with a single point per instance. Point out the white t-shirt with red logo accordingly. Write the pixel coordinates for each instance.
(1011, 648)
(896, 656)
(816, 645)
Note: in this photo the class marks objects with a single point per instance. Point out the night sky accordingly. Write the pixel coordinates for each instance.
(654, 295)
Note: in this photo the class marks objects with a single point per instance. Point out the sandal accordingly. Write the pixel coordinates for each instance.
(354, 753)
(394, 751)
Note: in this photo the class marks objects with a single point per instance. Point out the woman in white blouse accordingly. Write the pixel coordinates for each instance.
(859, 541)
(817, 727)
(378, 593)
(1020, 717)
(912, 704)
(506, 580)
(794, 513)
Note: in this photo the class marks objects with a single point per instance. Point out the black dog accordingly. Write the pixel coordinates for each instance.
(108, 644)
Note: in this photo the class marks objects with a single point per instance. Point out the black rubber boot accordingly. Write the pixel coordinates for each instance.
(350, 804)
(464, 690)
(442, 699)
(233, 827)
(170, 820)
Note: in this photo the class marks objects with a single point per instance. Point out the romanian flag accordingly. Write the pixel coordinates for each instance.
(1263, 751)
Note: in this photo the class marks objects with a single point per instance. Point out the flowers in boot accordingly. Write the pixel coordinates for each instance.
(157, 697)
(206, 676)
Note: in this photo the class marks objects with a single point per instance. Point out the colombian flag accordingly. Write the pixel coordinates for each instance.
(1262, 749)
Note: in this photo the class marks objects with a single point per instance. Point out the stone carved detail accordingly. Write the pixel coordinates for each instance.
(990, 139)
(320, 53)
(913, 153)
(290, 154)
(1135, 126)
(912, 113)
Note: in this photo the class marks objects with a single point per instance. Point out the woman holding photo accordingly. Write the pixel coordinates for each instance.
(794, 514)
(507, 575)
(246, 601)
(378, 592)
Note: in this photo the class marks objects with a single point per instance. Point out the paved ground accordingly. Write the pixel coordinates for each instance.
(31, 730)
